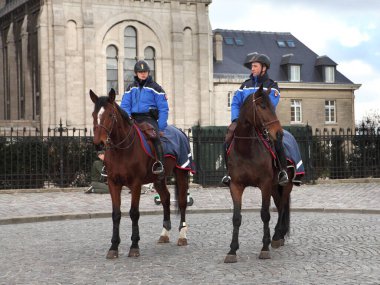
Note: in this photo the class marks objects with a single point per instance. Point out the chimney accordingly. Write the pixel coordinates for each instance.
(218, 47)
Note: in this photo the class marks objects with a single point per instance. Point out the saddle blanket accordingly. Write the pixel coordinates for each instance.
(175, 144)
(293, 153)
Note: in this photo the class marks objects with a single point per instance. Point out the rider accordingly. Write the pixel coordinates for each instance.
(259, 65)
(146, 101)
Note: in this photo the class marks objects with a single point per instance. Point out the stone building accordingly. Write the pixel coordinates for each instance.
(313, 91)
(52, 52)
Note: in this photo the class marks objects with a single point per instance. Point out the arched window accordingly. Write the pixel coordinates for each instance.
(149, 55)
(130, 53)
(112, 70)
(71, 35)
(187, 42)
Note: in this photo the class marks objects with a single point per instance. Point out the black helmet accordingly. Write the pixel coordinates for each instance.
(141, 66)
(257, 57)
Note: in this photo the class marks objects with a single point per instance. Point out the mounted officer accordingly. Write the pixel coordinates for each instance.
(259, 65)
(146, 101)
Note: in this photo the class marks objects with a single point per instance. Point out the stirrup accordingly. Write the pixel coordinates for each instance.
(226, 180)
(283, 178)
(159, 168)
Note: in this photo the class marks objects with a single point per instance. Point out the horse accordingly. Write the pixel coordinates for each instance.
(128, 164)
(251, 163)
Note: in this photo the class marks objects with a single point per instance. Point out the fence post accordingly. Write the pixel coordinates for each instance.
(61, 165)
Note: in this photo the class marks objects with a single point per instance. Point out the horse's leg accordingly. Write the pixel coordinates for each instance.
(236, 194)
(134, 214)
(115, 191)
(265, 217)
(278, 239)
(283, 224)
(162, 190)
(181, 188)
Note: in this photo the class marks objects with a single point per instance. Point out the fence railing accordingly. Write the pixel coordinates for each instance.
(326, 154)
(62, 157)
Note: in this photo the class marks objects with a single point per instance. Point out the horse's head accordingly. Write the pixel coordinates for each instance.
(103, 116)
(261, 113)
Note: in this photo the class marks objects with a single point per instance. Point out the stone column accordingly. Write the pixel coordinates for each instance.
(2, 78)
(12, 74)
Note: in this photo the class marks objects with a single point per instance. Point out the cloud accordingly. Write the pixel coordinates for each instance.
(363, 73)
(345, 30)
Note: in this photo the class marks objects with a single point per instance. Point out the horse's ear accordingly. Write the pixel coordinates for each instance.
(93, 96)
(111, 95)
(261, 87)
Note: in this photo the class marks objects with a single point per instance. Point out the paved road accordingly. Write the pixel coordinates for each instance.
(335, 239)
(18, 206)
(324, 248)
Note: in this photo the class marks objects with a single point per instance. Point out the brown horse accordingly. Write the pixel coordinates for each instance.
(251, 163)
(129, 165)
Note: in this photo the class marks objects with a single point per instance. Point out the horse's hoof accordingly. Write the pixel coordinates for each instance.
(230, 258)
(112, 254)
(277, 243)
(134, 252)
(182, 241)
(264, 254)
(163, 239)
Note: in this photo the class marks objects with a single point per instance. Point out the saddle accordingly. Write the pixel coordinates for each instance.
(148, 130)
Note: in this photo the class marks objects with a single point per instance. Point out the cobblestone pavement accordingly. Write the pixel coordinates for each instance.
(335, 239)
(18, 206)
(323, 248)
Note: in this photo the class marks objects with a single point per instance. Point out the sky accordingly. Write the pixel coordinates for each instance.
(347, 31)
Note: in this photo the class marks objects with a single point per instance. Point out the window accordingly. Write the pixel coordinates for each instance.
(130, 54)
(229, 41)
(330, 111)
(229, 99)
(149, 55)
(239, 41)
(281, 43)
(296, 111)
(329, 74)
(290, 43)
(112, 70)
(295, 73)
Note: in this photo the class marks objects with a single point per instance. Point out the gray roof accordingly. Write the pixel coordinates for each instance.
(242, 43)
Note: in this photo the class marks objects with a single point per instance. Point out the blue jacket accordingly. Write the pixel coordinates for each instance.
(140, 98)
(250, 86)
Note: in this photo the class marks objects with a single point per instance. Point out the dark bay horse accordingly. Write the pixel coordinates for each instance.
(251, 163)
(129, 165)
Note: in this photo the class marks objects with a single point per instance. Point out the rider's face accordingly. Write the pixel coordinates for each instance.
(142, 75)
(257, 69)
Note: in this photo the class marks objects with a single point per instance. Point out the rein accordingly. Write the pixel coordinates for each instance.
(264, 125)
(109, 143)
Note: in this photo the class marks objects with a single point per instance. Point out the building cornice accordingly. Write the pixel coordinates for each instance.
(318, 86)
(239, 78)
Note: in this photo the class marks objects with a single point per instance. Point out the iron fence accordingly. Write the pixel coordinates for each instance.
(326, 154)
(62, 157)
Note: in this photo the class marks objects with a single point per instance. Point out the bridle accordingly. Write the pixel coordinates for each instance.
(109, 143)
(264, 127)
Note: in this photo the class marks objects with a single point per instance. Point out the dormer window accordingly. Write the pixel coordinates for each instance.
(329, 74)
(292, 66)
(326, 68)
(294, 73)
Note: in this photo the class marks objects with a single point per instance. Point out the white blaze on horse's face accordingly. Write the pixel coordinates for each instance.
(100, 113)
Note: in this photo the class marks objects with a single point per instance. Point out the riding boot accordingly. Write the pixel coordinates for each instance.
(158, 166)
(226, 179)
(283, 178)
